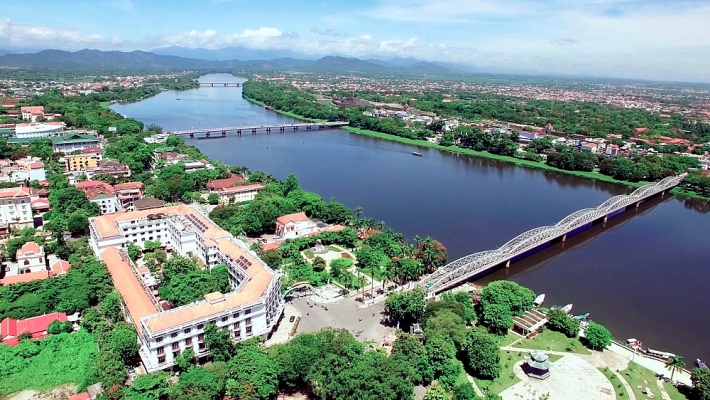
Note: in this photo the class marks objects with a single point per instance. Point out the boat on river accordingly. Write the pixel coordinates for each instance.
(539, 300)
(582, 317)
(417, 154)
(567, 308)
(701, 364)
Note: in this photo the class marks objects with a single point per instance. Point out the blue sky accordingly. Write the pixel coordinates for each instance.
(651, 39)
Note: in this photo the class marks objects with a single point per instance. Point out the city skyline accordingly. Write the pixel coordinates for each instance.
(659, 39)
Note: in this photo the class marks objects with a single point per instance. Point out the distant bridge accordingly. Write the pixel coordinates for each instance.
(221, 84)
(536, 239)
(222, 132)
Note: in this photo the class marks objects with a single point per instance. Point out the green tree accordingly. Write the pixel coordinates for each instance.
(406, 269)
(111, 307)
(134, 251)
(514, 297)
(497, 318)
(559, 321)
(441, 351)
(405, 308)
(675, 363)
(213, 198)
(219, 343)
(597, 336)
(124, 343)
(252, 374)
(57, 327)
(78, 223)
(185, 360)
(465, 392)
(437, 392)
(700, 377)
(149, 387)
(200, 383)
(431, 253)
(151, 245)
(481, 355)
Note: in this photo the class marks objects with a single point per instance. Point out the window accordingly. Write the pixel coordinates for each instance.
(188, 342)
(173, 335)
(237, 333)
(247, 311)
(187, 330)
(201, 337)
(159, 339)
(175, 354)
(202, 346)
(236, 315)
(224, 319)
(247, 321)
(161, 350)
(200, 326)
(176, 346)
(248, 330)
(161, 359)
(236, 326)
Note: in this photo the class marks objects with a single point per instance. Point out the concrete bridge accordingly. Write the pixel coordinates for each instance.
(534, 240)
(222, 132)
(221, 84)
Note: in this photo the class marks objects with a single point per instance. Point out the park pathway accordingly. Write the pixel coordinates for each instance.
(662, 388)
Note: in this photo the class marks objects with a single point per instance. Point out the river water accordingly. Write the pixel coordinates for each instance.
(645, 274)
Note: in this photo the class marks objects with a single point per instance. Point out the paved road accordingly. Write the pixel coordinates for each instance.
(363, 323)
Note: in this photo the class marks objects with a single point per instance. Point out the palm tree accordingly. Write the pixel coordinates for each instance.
(674, 363)
(417, 240)
(380, 225)
(358, 212)
(387, 275)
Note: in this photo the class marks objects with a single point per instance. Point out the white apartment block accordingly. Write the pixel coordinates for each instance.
(237, 194)
(15, 209)
(251, 309)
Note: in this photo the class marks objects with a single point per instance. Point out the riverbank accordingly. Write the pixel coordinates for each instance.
(285, 113)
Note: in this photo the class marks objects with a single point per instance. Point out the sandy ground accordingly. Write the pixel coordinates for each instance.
(59, 393)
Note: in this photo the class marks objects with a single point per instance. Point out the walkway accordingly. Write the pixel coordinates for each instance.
(654, 365)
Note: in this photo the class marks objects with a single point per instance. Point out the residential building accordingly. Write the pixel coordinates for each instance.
(237, 194)
(31, 113)
(36, 130)
(30, 258)
(219, 184)
(89, 158)
(73, 141)
(527, 137)
(109, 167)
(106, 199)
(128, 194)
(11, 329)
(15, 209)
(28, 170)
(250, 309)
(292, 226)
(196, 165)
(157, 138)
(612, 150)
(588, 146)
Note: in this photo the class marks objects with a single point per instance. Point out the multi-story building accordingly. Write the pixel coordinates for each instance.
(89, 158)
(236, 194)
(38, 130)
(31, 113)
(102, 194)
(251, 308)
(28, 170)
(30, 258)
(109, 167)
(74, 141)
(292, 226)
(128, 194)
(15, 209)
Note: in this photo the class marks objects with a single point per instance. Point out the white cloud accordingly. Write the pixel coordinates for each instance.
(14, 35)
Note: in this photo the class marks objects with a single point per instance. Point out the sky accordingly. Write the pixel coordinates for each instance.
(646, 39)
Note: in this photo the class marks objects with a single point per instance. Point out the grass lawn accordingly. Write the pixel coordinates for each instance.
(308, 253)
(47, 363)
(619, 388)
(673, 392)
(507, 377)
(462, 379)
(636, 376)
(335, 249)
(509, 338)
(105, 104)
(553, 341)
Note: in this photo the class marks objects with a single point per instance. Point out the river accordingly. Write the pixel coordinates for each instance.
(645, 274)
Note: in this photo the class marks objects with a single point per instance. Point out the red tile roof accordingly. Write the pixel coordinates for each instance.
(60, 267)
(14, 192)
(219, 184)
(36, 325)
(129, 185)
(297, 217)
(29, 247)
(81, 396)
(24, 278)
(235, 189)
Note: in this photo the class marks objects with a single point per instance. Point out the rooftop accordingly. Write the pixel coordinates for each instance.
(14, 192)
(297, 217)
(74, 138)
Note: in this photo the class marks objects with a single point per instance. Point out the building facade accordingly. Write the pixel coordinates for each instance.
(38, 130)
(74, 141)
(236, 194)
(128, 194)
(15, 209)
(292, 226)
(81, 162)
(30, 258)
(251, 309)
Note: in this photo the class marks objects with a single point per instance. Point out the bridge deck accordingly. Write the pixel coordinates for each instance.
(466, 267)
(260, 127)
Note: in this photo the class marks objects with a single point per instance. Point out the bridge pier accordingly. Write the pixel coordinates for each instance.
(564, 237)
(253, 131)
(207, 134)
(308, 128)
(212, 84)
(224, 133)
(268, 131)
(192, 135)
(282, 128)
(295, 128)
(225, 85)
(321, 127)
(239, 132)
(507, 264)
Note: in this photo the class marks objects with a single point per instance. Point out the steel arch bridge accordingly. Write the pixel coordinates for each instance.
(473, 264)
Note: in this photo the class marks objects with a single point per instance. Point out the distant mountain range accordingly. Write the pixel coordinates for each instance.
(3, 52)
(90, 60)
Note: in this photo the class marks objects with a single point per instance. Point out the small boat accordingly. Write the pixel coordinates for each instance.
(660, 354)
(567, 308)
(539, 300)
(633, 343)
(417, 154)
(267, 108)
(582, 317)
(701, 364)
(178, 98)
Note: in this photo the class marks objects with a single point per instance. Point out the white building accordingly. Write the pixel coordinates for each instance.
(31, 113)
(38, 130)
(73, 141)
(292, 226)
(237, 194)
(29, 170)
(30, 258)
(251, 309)
(15, 209)
(106, 199)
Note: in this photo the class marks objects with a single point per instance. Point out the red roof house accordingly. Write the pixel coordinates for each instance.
(10, 328)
